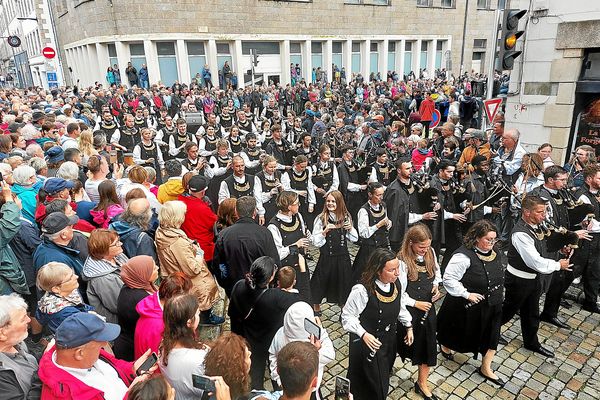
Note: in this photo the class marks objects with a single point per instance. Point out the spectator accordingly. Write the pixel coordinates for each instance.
(155, 388)
(171, 189)
(226, 215)
(143, 77)
(108, 205)
(61, 295)
(132, 226)
(102, 272)
(77, 367)
(138, 276)
(132, 75)
(26, 187)
(298, 366)
(12, 278)
(150, 325)
(18, 368)
(136, 178)
(98, 167)
(55, 156)
(178, 253)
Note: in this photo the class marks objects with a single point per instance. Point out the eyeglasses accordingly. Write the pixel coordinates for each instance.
(116, 244)
(491, 241)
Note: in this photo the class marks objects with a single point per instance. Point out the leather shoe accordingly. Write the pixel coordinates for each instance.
(418, 390)
(593, 308)
(541, 350)
(554, 321)
(500, 382)
(565, 303)
(502, 341)
(447, 356)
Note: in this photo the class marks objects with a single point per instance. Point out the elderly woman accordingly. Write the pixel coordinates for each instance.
(61, 298)
(102, 271)
(136, 178)
(177, 252)
(68, 170)
(18, 372)
(138, 276)
(26, 187)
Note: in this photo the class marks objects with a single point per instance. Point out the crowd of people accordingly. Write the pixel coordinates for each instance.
(127, 213)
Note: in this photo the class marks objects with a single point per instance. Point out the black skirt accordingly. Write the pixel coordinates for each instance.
(331, 278)
(423, 350)
(469, 330)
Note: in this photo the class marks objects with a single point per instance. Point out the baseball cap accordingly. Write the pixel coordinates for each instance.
(55, 185)
(82, 328)
(37, 115)
(55, 154)
(197, 183)
(477, 134)
(57, 221)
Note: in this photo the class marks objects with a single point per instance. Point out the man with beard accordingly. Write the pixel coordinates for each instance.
(476, 191)
(280, 148)
(127, 137)
(132, 225)
(251, 155)
(108, 125)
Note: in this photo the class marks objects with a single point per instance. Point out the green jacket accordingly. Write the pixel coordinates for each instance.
(12, 277)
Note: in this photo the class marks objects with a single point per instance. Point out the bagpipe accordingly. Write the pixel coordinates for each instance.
(426, 195)
(556, 237)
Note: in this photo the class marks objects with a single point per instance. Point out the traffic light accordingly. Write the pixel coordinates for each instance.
(255, 58)
(508, 40)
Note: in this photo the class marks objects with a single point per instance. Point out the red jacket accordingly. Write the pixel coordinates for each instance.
(40, 214)
(59, 384)
(199, 224)
(426, 109)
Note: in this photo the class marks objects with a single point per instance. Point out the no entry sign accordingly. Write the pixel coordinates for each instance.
(437, 117)
(49, 52)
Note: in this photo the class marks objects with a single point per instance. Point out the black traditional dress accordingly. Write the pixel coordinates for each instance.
(423, 350)
(151, 151)
(332, 275)
(217, 162)
(472, 327)
(268, 184)
(368, 244)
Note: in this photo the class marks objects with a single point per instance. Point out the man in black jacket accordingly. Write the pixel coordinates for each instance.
(240, 244)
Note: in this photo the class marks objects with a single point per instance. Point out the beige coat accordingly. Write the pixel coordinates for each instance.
(177, 253)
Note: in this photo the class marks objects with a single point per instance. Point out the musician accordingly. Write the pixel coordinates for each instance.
(164, 134)
(324, 176)
(382, 171)
(235, 142)
(280, 148)
(552, 191)
(220, 168)
(295, 131)
(211, 122)
(146, 153)
(298, 180)
(193, 162)
(241, 184)
(126, 137)
(401, 198)
(469, 319)
(269, 110)
(373, 226)
(227, 117)
(419, 261)
(306, 148)
(245, 123)
(140, 121)
(586, 256)
(108, 124)
(207, 145)
(265, 135)
(177, 142)
(370, 315)
(446, 227)
(269, 180)
(526, 264)
(352, 184)
(531, 176)
(251, 155)
(477, 193)
(291, 239)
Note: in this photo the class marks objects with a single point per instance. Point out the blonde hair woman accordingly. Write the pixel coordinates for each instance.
(178, 253)
(86, 145)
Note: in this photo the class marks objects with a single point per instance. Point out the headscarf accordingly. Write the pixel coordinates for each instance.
(136, 273)
(293, 322)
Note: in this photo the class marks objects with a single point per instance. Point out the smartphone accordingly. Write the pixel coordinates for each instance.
(205, 384)
(342, 388)
(312, 328)
(113, 156)
(149, 363)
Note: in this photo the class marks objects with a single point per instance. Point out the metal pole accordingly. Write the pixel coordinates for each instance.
(464, 38)
(492, 66)
(252, 66)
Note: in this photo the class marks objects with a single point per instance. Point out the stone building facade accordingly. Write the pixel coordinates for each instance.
(368, 36)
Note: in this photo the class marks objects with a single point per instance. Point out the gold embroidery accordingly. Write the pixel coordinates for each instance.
(241, 187)
(300, 178)
(291, 228)
(488, 258)
(377, 214)
(387, 299)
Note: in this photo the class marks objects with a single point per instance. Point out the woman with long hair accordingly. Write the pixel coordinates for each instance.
(181, 352)
(470, 318)
(584, 155)
(290, 237)
(257, 311)
(108, 206)
(226, 215)
(419, 261)
(545, 151)
(532, 176)
(332, 230)
(86, 146)
(370, 316)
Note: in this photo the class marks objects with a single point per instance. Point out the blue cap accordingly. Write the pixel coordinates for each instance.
(55, 185)
(82, 328)
(55, 154)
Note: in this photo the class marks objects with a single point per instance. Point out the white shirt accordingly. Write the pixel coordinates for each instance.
(357, 302)
(525, 246)
(406, 299)
(336, 178)
(102, 376)
(455, 270)
(257, 192)
(137, 156)
(287, 185)
(247, 162)
(318, 239)
(282, 250)
(364, 230)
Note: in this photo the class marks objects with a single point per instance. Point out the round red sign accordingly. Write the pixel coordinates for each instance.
(48, 52)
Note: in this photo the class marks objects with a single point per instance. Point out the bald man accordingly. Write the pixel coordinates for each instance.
(133, 226)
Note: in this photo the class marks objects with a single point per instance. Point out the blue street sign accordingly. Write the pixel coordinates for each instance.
(53, 85)
(51, 77)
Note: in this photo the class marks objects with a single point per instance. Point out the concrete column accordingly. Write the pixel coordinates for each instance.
(183, 62)
(284, 51)
(103, 61)
(383, 59)
(307, 58)
(445, 48)
(432, 50)
(69, 64)
(400, 57)
(328, 59)
(347, 58)
(78, 64)
(365, 55)
(212, 62)
(123, 58)
(93, 54)
(151, 62)
(416, 61)
(238, 62)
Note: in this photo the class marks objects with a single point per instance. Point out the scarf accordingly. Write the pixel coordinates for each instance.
(51, 303)
(136, 273)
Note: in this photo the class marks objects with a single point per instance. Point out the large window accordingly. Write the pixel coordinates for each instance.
(374, 58)
(196, 58)
(369, 2)
(316, 49)
(112, 54)
(483, 4)
(356, 57)
(337, 58)
(138, 57)
(260, 47)
(167, 62)
(223, 54)
(296, 55)
(438, 54)
(407, 58)
(424, 58)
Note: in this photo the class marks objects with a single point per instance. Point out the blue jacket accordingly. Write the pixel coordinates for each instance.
(206, 73)
(24, 245)
(52, 321)
(49, 251)
(135, 241)
(28, 195)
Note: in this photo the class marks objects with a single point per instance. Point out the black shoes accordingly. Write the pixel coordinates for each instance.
(502, 341)
(541, 350)
(554, 321)
(447, 356)
(418, 390)
(500, 382)
(565, 303)
(593, 308)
